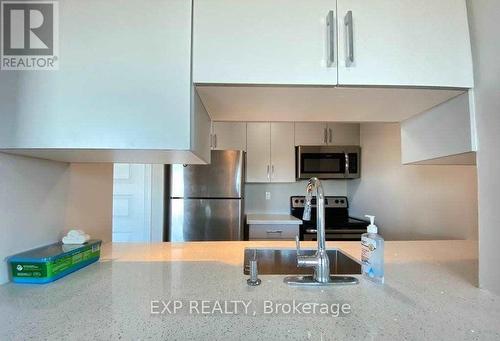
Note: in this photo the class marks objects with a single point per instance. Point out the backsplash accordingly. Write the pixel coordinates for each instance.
(255, 195)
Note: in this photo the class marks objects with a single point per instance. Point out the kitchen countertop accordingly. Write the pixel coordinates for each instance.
(429, 293)
(271, 219)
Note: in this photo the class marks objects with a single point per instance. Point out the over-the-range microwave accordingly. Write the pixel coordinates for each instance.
(328, 162)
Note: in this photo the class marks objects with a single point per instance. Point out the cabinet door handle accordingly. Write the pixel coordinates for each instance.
(325, 135)
(331, 135)
(215, 140)
(272, 171)
(349, 39)
(268, 174)
(346, 164)
(330, 26)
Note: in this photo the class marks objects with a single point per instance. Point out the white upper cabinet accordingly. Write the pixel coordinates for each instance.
(264, 42)
(422, 43)
(343, 134)
(404, 43)
(123, 91)
(320, 133)
(229, 135)
(311, 134)
(270, 152)
(282, 152)
(258, 165)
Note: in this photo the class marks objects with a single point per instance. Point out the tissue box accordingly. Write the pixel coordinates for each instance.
(49, 263)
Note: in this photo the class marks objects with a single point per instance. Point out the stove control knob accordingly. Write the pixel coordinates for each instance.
(342, 201)
(337, 201)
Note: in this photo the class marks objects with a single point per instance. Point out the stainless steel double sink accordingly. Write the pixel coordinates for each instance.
(284, 262)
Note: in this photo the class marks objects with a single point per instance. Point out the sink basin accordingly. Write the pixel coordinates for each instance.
(284, 262)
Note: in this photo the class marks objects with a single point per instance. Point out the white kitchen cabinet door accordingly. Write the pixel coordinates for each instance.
(311, 133)
(229, 136)
(263, 42)
(404, 43)
(122, 92)
(282, 152)
(343, 134)
(258, 165)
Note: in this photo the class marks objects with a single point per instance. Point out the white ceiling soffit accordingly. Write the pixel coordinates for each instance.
(278, 103)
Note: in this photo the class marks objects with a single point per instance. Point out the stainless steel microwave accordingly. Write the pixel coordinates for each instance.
(328, 162)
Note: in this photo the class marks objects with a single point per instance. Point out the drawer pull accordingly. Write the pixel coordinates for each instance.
(275, 231)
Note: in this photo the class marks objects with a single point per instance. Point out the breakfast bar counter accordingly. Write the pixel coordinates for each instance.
(197, 290)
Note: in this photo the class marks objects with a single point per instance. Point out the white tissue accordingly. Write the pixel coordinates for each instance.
(76, 237)
(75, 233)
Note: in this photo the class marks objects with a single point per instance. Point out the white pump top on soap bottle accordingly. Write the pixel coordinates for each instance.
(372, 228)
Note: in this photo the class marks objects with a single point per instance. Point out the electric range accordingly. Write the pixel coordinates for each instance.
(338, 224)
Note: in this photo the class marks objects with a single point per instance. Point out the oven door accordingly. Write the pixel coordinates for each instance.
(327, 162)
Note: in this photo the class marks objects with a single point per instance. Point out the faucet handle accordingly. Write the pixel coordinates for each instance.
(297, 244)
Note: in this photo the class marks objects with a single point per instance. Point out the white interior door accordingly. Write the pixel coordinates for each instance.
(258, 152)
(137, 203)
(282, 152)
(262, 42)
(404, 42)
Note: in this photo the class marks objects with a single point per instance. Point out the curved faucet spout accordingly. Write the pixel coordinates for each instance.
(320, 260)
(314, 185)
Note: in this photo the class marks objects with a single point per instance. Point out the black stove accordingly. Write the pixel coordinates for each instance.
(339, 226)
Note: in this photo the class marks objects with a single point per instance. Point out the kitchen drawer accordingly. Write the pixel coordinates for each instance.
(273, 232)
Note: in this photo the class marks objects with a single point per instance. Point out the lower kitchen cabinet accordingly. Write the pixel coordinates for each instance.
(273, 232)
(270, 152)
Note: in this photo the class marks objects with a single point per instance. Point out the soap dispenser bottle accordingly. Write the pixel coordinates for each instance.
(372, 253)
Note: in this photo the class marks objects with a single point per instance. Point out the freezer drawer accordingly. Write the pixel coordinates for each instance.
(205, 220)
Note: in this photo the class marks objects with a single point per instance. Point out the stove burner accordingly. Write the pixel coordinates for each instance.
(338, 224)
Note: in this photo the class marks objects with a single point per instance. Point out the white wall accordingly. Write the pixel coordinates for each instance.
(40, 200)
(445, 130)
(90, 204)
(412, 201)
(255, 195)
(32, 205)
(484, 26)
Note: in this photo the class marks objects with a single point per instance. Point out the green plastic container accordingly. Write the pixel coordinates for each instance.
(49, 263)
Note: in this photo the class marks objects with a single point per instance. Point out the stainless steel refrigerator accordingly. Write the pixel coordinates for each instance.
(206, 201)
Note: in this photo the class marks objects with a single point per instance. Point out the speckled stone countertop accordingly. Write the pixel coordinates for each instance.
(429, 294)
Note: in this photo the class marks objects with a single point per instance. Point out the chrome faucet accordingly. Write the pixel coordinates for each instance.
(319, 261)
